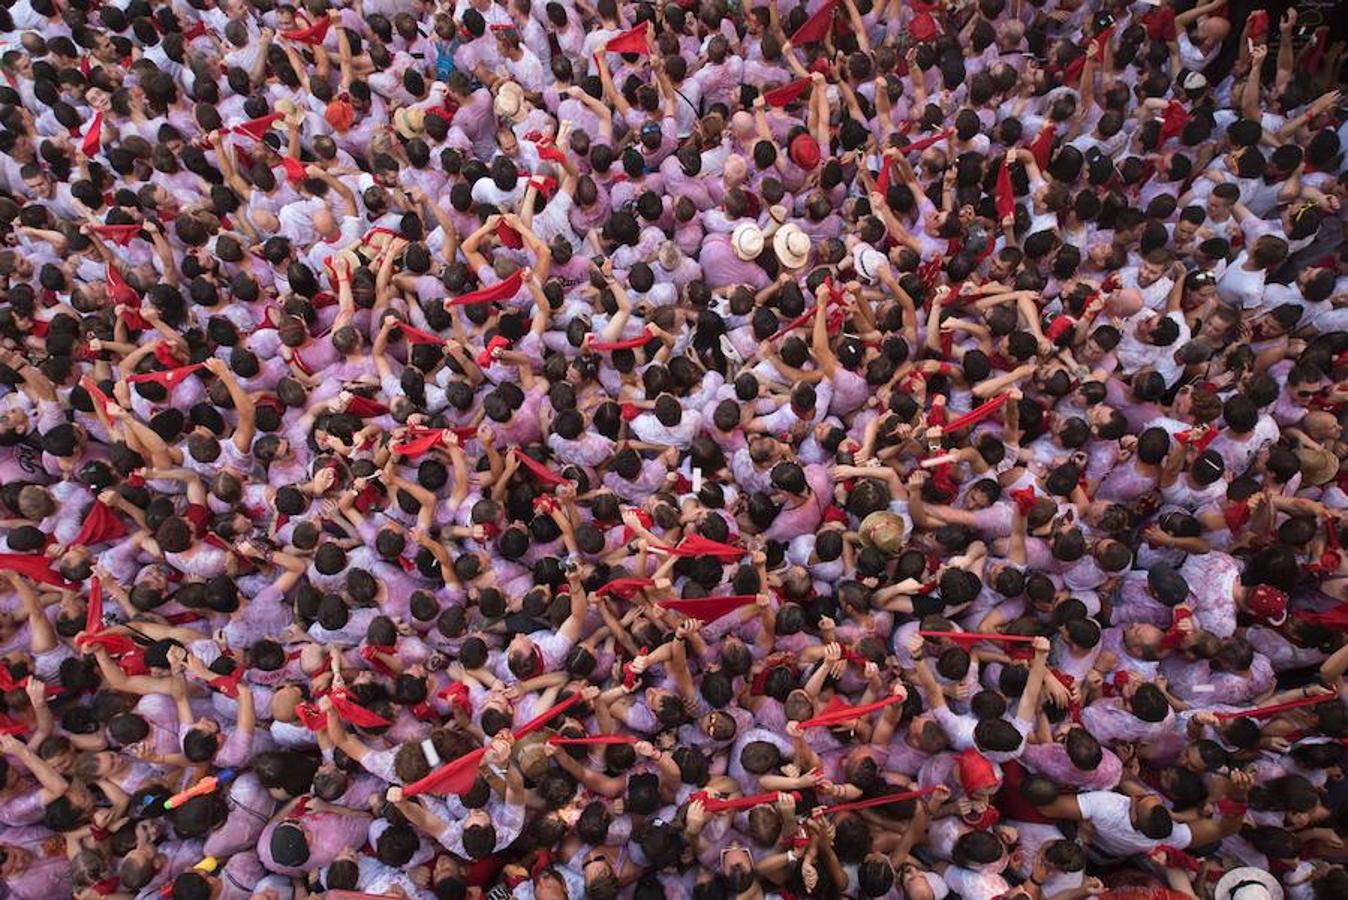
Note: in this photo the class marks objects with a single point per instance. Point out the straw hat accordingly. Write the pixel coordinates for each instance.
(1318, 466)
(510, 101)
(747, 241)
(792, 246)
(867, 261)
(883, 530)
(1248, 883)
(410, 122)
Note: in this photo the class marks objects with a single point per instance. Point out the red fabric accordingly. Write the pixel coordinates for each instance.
(8, 682)
(121, 235)
(976, 415)
(1313, 54)
(973, 637)
(716, 804)
(228, 684)
(169, 378)
(1160, 24)
(816, 26)
(371, 653)
(625, 588)
(547, 716)
(786, 94)
(311, 717)
(1258, 24)
(1264, 712)
(1042, 146)
(508, 236)
(845, 713)
(363, 407)
(100, 525)
(96, 393)
(506, 288)
(1025, 499)
(455, 777)
(488, 354)
(11, 725)
(598, 740)
(1006, 198)
(118, 290)
(709, 609)
(93, 138)
(1173, 120)
(93, 613)
(313, 35)
(920, 145)
(425, 439)
(1332, 618)
(1236, 515)
(1201, 439)
(457, 696)
(883, 800)
(417, 336)
(256, 128)
(294, 169)
(115, 644)
(975, 771)
(628, 344)
(540, 471)
(353, 713)
(35, 567)
(633, 40)
(697, 545)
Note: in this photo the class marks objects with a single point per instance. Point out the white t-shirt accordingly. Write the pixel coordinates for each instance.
(1110, 813)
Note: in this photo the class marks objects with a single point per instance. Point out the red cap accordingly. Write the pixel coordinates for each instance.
(922, 28)
(976, 772)
(1268, 603)
(805, 151)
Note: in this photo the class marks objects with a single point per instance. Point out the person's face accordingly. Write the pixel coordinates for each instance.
(1149, 273)
(40, 185)
(505, 139)
(1184, 401)
(915, 884)
(1098, 254)
(1140, 636)
(549, 887)
(1185, 231)
(16, 861)
(596, 866)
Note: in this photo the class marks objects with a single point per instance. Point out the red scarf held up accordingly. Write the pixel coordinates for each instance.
(1264, 712)
(1006, 198)
(628, 344)
(539, 470)
(716, 804)
(968, 638)
(816, 26)
(121, 235)
(100, 525)
(976, 415)
(697, 545)
(353, 713)
(256, 128)
(708, 609)
(35, 567)
(313, 35)
(883, 800)
(167, 379)
(625, 588)
(633, 40)
(598, 740)
(93, 613)
(500, 291)
(459, 775)
(786, 94)
(93, 138)
(839, 712)
(417, 336)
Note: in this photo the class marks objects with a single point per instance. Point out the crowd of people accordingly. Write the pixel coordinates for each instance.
(578, 450)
